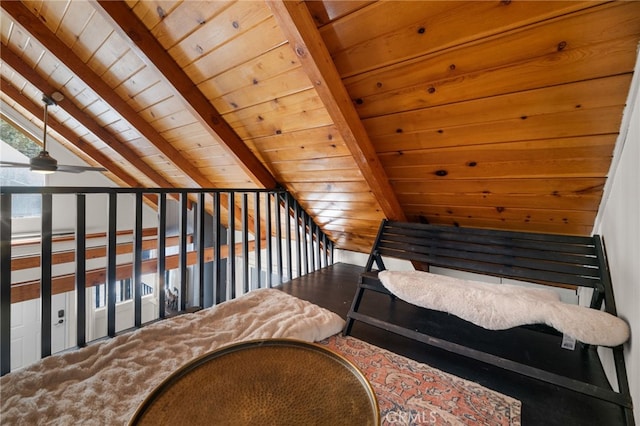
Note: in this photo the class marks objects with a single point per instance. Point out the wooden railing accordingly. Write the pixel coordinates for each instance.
(264, 231)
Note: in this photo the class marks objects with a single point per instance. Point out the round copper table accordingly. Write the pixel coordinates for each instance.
(266, 382)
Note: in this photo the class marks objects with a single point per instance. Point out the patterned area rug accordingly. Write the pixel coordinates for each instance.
(411, 393)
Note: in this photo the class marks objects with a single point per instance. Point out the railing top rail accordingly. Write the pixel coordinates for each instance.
(107, 190)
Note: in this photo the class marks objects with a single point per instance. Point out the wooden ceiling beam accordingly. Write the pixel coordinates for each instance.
(51, 42)
(154, 55)
(25, 102)
(304, 38)
(28, 73)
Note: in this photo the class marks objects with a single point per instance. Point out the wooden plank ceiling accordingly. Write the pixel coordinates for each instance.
(494, 114)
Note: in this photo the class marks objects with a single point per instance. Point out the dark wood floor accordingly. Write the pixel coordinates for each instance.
(542, 404)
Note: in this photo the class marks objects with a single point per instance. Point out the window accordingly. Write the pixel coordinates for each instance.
(124, 291)
(124, 288)
(17, 147)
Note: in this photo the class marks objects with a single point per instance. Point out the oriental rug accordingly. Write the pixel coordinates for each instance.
(411, 393)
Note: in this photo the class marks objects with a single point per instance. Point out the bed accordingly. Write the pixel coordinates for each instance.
(104, 383)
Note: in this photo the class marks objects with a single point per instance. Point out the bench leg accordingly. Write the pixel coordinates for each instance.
(354, 308)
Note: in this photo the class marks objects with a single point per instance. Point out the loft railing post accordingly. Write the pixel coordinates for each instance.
(318, 248)
(81, 269)
(217, 263)
(331, 252)
(305, 245)
(200, 246)
(182, 250)
(276, 206)
(111, 264)
(324, 249)
(258, 237)
(162, 246)
(287, 206)
(231, 245)
(296, 209)
(268, 234)
(46, 232)
(245, 243)
(137, 261)
(5, 283)
(311, 258)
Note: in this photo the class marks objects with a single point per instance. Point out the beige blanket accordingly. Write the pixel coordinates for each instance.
(502, 306)
(104, 383)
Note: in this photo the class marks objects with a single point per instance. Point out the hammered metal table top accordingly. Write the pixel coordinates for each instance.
(267, 382)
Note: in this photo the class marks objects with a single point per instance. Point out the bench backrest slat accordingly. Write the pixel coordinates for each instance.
(542, 258)
(543, 254)
(502, 257)
(570, 246)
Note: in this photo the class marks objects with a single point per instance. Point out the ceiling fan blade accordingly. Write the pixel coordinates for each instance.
(60, 168)
(13, 164)
(43, 162)
(79, 169)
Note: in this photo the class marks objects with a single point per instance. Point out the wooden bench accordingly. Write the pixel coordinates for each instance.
(553, 260)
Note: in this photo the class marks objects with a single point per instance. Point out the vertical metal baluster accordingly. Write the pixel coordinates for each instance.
(111, 264)
(200, 246)
(287, 207)
(325, 252)
(296, 209)
(305, 244)
(231, 244)
(276, 206)
(182, 253)
(258, 237)
(45, 274)
(269, 242)
(245, 243)
(137, 262)
(318, 248)
(311, 259)
(5, 283)
(217, 272)
(161, 255)
(81, 269)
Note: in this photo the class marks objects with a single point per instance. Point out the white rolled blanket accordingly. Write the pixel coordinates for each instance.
(502, 306)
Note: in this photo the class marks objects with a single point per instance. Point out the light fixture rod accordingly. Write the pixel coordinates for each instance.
(49, 100)
(46, 119)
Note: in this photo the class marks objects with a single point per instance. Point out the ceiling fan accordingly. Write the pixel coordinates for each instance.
(43, 162)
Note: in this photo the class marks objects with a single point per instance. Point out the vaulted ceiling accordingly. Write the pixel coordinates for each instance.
(495, 114)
